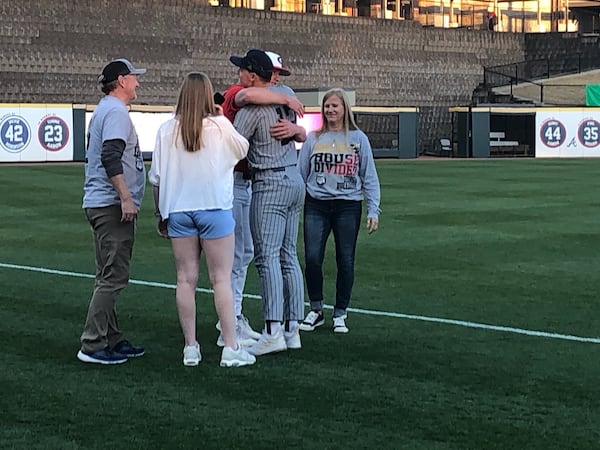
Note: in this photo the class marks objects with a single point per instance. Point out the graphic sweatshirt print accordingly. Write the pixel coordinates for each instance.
(339, 165)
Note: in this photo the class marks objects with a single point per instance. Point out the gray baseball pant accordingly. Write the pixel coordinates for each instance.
(277, 200)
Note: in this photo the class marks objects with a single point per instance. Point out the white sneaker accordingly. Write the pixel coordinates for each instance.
(244, 330)
(242, 324)
(236, 358)
(242, 342)
(292, 339)
(246, 336)
(191, 355)
(339, 324)
(269, 343)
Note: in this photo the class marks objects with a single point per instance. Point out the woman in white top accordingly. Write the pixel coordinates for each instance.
(192, 175)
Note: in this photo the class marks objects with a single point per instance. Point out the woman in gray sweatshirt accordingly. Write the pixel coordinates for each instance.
(336, 163)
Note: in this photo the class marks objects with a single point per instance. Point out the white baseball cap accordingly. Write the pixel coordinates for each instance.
(278, 64)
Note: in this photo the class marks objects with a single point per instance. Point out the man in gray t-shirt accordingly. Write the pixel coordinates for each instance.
(113, 189)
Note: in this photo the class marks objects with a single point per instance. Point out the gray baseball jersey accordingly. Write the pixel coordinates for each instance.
(265, 152)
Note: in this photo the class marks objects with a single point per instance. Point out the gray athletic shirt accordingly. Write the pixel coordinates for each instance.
(111, 121)
(336, 165)
(282, 88)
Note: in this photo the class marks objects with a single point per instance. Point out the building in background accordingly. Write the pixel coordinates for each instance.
(532, 16)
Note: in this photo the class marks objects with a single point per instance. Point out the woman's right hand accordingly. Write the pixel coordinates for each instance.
(372, 224)
(161, 227)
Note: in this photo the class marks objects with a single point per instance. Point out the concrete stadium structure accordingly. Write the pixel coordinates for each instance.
(52, 51)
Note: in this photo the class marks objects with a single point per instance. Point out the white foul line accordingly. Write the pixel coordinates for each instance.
(461, 323)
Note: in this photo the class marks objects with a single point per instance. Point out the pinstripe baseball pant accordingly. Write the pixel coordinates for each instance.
(277, 200)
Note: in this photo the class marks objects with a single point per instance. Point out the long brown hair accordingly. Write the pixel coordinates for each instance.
(349, 123)
(194, 104)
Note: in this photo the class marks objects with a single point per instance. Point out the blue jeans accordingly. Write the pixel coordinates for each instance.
(321, 217)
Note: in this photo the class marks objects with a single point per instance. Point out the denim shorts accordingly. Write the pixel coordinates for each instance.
(206, 224)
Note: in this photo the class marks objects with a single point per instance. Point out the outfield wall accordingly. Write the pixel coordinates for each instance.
(535, 131)
(36, 132)
(57, 132)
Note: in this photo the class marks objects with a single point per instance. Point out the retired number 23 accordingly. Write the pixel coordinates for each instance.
(53, 133)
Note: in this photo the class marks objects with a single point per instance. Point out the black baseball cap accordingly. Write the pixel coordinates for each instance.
(118, 67)
(255, 61)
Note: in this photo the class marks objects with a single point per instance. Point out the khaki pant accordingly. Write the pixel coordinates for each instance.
(113, 241)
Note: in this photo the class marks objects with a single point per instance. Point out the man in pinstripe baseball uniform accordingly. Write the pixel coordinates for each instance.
(277, 200)
(234, 99)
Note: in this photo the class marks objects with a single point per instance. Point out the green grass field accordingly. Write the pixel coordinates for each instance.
(481, 244)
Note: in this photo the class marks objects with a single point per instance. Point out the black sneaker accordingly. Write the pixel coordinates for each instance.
(104, 356)
(313, 320)
(129, 350)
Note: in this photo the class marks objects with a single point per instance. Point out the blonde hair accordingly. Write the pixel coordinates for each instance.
(348, 122)
(195, 103)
